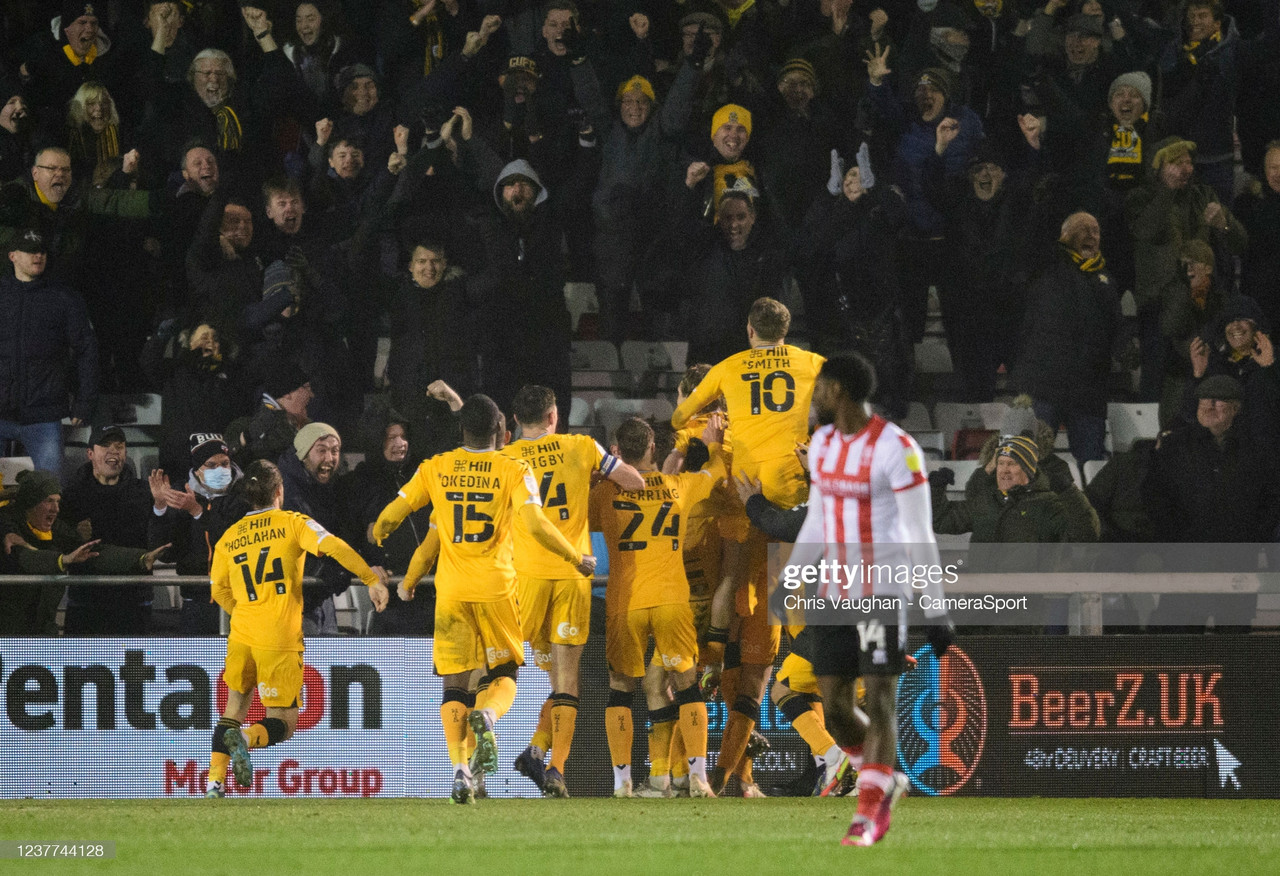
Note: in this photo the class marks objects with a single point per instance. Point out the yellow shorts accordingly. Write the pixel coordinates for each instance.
(797, 674)
(475, 635)
(782, 480)
(553, 611)
(627, 635)
(277, 674)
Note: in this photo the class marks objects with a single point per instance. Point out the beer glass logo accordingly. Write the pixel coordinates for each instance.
(942, 721)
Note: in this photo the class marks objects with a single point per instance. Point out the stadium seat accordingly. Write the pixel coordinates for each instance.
(933, 443)
(1092, 467)
(933, 357)
(11, 465)
(579, 412)
(611, 412)
(917, 418)
(640, 357)
(1129, 422)
(623, 381)
(1075, 469)
(594, 356)
(580, 298)
(950, 417)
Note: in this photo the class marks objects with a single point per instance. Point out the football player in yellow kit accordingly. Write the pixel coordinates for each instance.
(256, 576)
(648, 596)
(767, 390)
(554, 599)
(476, 494)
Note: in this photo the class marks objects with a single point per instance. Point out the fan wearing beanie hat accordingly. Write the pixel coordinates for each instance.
(1017, 459)
(319, 448)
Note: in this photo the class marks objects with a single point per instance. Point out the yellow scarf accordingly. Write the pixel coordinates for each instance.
(735, 15)
(1190, 47)
(39, 194)
(1089, 266)
(76, 60)
(229, 130)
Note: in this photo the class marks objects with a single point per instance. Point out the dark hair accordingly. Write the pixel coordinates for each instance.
(532, 404)
(633, 437)
(854, 374)
(280, 185)
(479, 419)
(1214, 7)
(355, 141)
(260, 482)
(559, 6)
(431, 244)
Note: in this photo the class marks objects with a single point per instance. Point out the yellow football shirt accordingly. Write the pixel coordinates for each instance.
(562, 467)
(767, 392)
(260, 559)
(645, 530)
(474, 494)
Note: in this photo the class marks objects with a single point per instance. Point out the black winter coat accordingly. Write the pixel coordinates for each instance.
(1210, 492)
(1068, 335)
(45, 336)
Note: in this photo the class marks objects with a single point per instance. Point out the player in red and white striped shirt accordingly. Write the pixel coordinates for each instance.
(868, 505)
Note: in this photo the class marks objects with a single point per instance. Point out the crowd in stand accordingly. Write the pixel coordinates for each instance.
(230, 205)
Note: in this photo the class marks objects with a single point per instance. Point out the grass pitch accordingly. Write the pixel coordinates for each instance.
(619, 837)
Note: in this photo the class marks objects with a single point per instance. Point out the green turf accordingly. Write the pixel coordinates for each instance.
(795, 837)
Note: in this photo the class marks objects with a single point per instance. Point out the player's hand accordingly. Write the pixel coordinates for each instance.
(747, 486)
(802, 454)
(81, 554)
(396, 163)
(1029, 125)
(400, 134)
(587, 565)
(639, 25)
(378, 593)
(405, 593)
(709, 681)
(324, 130)
(13, 540)
(673, 463)
(714, 431)
(380, 530)
(129, 163)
